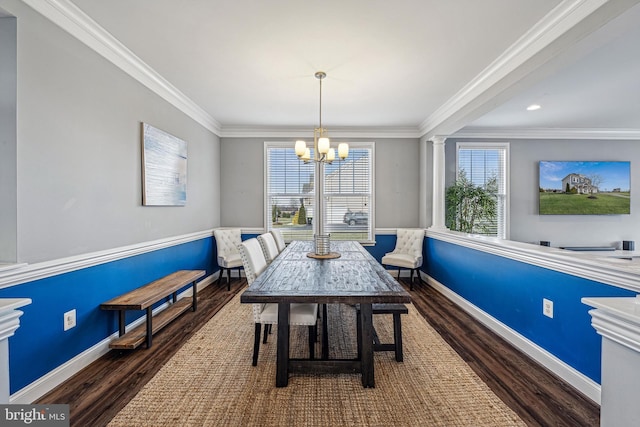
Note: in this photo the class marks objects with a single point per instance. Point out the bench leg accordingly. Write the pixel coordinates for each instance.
(397, 336)
(195, 296)
(121, 322)
(358, 335)
(312, 341)
(149, 327)
(325, 333)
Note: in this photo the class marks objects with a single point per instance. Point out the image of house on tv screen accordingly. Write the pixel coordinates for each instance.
(585, 188)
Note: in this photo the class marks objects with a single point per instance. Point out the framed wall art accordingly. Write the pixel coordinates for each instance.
(164, 168)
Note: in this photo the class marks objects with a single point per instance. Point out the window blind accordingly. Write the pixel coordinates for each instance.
(347, 188)
(347, 197)
(481, 163)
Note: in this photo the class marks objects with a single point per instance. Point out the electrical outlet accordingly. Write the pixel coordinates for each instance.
(70, 319)
(547, 307)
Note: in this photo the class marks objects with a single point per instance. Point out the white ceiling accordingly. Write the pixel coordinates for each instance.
(425, 66)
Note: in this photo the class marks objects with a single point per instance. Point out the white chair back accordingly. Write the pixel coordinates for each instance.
(409, 241)
(277, 236)
(254, 264)
(253, 259)
(227, 241)
(269, 247)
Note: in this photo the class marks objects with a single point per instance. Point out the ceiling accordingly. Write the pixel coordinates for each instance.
(414, 67)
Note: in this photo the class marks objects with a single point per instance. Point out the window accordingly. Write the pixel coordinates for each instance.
(481, 162)
(348, 194)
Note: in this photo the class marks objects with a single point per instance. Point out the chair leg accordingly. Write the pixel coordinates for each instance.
(398, 274)
(411, 280)
(256, 344)
(228, 279)
(397, 336)
(267, 330)
(220, 277)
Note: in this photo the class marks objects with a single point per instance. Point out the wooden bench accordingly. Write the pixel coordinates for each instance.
(396, 310)
(143, 298)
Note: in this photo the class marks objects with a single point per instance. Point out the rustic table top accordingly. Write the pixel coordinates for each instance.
(355, 277)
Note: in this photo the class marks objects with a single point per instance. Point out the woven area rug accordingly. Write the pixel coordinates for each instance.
(210, 381)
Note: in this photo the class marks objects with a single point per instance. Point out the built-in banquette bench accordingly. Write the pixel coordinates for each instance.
(143, 298)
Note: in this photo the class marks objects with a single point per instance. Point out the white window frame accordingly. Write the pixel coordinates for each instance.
(505, 196)
(352, 145)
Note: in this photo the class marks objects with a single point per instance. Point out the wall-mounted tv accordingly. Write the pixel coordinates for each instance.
(585, 188)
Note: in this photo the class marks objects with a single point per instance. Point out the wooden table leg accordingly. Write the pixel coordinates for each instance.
(366, 337)
(282, 356)
(325, 333)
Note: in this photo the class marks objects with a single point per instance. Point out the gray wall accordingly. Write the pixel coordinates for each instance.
(8, 191)
(79, 151)
(563, 230)
(397, 175)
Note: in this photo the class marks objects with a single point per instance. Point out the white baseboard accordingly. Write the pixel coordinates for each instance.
(581, 382)
(51, 380)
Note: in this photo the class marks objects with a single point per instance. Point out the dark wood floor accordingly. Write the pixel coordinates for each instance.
(100, 391)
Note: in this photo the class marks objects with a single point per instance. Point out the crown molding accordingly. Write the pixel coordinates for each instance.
(548, 133)
(307, 131)
(556, 23)
(72, 19)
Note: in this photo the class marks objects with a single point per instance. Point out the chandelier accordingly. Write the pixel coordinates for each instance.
(322, 154)
(321, 143)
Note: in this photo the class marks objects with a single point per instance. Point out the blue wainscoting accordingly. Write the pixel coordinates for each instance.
(41, 345)
(384, 243)
(512, 292)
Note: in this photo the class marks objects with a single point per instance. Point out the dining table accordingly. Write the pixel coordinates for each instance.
(349, 275)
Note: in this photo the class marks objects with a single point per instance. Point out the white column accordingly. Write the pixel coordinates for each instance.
(438, 222)
(617, 320)
(9, 322)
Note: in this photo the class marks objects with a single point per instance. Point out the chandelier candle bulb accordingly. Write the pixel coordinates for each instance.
(343, 150)
(301, 147)
(331, 155)
(307, 155)
(323, 145)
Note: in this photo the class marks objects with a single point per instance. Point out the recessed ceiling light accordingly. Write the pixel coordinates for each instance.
(533, 107)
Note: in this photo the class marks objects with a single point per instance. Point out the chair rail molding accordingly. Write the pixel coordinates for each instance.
(603, 269)
(29, 272)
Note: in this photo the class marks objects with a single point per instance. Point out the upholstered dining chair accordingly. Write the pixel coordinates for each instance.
(408, 251)
(267, 314)
(227, 242)
(279, 238)
(269, 247)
